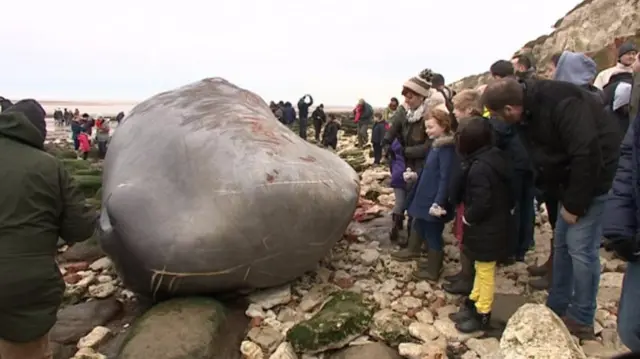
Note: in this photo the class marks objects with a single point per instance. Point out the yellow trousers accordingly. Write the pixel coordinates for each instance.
(484, 286)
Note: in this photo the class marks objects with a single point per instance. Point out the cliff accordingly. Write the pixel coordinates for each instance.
(596, 27)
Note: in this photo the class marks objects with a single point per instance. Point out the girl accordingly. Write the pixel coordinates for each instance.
(84, 144)
(485, 191)
(429, 201)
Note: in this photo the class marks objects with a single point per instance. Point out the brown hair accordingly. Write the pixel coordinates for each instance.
(468, 100)
(475, 134)
(442, 117)
(501, 93)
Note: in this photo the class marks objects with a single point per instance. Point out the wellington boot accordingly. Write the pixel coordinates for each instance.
(433, 268)
(412, 251)
(398, 222)
(464, 284)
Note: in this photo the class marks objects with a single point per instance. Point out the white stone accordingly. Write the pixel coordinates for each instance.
(101, 264)
(102, 290)
(270, 298)
(94, 338)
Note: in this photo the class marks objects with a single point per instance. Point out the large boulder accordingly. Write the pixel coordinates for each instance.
(205, 191)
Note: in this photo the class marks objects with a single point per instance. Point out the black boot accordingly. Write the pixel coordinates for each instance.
(398, 220)
(411, 251)
(478, 321)
(402, 242)
(466, 311)
(465, 284)
(431, 271)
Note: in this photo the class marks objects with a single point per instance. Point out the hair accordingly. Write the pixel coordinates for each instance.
(393, 99)
(501, 93)
(442, 117)
(377, 115)
(437, 80)
(523, 60)
(502, 69)
(468, 100)
(555, 58)
(475, 134)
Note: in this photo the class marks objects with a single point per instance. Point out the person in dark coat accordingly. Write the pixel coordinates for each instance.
(5, 103)
(620, 108)
(407, 126)
(40, 204)
(377, 137)
(330, 134)
(573, 145)
(488, 199)
(364, 117)
(288, 114)
(428, 202)
(303, 114)
(319, 118)
(119, 117)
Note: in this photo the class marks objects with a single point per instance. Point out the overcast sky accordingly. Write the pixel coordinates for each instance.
(336, 50)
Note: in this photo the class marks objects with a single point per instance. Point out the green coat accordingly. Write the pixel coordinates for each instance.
(39, 204)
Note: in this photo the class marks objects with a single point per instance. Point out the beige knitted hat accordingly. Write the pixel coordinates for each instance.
(420, 84)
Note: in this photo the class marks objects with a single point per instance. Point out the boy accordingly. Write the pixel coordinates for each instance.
(330, 135)
(103, 139)
(377, 136)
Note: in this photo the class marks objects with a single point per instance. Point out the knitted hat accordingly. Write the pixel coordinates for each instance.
(626, 48)
(420, 84)
(622, 95)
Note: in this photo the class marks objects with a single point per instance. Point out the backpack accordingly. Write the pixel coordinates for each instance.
(447, 99)
(609, 90)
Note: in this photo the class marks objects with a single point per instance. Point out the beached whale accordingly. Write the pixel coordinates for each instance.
(205, 191)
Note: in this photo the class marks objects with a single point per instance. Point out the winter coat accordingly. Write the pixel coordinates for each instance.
(572, 142)
(85, 143)
(303, 107)
(76, 128)
(40, 203)
(621, 213)
(288, 115)
(319, 116)
(603, 77)
(412, 137)
(432, 185)
(366, 116)
(397, 165)
(487, 204)
(508, 140)
(330, 134)
(378, 131)
(634, 102)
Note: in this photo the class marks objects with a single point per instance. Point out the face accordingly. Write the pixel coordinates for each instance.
(461, 114)
(412, 100)
(433, 129)
(629, 58)
(517, 66)
(393, 105)
(509, 114)
(636, 64)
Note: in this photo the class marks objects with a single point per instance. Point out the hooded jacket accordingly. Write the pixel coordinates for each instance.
(40, 203)
(576, 68)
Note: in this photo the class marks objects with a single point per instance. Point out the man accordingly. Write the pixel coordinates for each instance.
(442, 94)
(523, 66)
(620, 227)
(572, 144)
(303, 114)
(365, 119)
(626, 57)
(319, 118)
(502, 69)
(40, 203)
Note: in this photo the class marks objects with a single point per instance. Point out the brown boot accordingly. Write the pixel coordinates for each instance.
(543, 282)
(581, 331)
(412, 250)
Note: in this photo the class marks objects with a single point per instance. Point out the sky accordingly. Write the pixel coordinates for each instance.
(336, 50)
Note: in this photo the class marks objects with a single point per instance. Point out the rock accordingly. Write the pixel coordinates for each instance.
(199, 322)
(343, 318)
(87, 251)
(251, 350)
(483, 347)
(425, 316)
(448, 329)
(97, 336)
(219, 250)
(367, 351)
(422, 351)
(78, 320)
(284, 351)
(387, 326)
(316, 296)
(405, 303)
(266, 337)
(270, 298)
(424, 332)
(595, 349)
(101, 264)
(88, 353)
(611, 280)
(254, 311)
(369, 256)
(102, 290)
(534, 331)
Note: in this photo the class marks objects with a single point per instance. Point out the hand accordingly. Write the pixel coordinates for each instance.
(568, 217)
(625, 248)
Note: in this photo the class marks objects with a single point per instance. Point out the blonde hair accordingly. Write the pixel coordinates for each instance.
(442, 117)
(468, 100)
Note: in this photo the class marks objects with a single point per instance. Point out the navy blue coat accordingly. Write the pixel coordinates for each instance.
(433, 182)
(620, 218)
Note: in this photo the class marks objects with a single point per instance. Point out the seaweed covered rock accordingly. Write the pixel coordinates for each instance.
(73, 165)
(89, 185)
(344, 317)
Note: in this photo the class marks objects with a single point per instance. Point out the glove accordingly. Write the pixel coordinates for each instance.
(437, 211)
(409, 176)
(625, 248)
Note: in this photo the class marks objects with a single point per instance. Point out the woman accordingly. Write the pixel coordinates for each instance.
(391, 110)
(411, 143)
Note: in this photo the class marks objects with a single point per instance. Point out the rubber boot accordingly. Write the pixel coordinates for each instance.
(398, 220)
(403, 242)
(431, 271)
(478, 321)
(544, 282)
(412, 251)
(466, 311)
(465, 284)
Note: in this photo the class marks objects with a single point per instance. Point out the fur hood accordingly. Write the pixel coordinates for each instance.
(443, 140)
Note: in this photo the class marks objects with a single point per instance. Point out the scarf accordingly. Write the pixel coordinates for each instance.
(415, 115)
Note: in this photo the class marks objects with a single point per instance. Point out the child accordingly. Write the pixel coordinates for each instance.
(487, 197)
(377, 136)
(466, 105)
(330, 134)
(84, 144)
(429, 199)
(103, 139)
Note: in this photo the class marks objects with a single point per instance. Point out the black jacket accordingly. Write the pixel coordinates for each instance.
(330, 134)
(288, 114)
(378, 131)
(412, 136)
(318, 115)
(508, 140)
(485, 191)
(571, 140)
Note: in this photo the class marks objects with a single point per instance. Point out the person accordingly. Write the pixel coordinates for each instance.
(573, 146)
(303, 114)
(5, 104)
(279, 112)
(444, 93)
(391, 109)
(620, 108)
(377, 137)
(634, 104)
(41, 203)
(288, 114)
(76, 128)
(84, 143)
(319, 118)
(428, 203)
(57, 116)
(488, 201)
(502, 69)
(627, 53)
(330, 134)
(408, 133)
(119, 117)
(523, 66)
(620, 228)
(363, 117)
(103, 137)
(67, 117)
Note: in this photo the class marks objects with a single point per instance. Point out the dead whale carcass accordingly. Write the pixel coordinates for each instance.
(205, 191)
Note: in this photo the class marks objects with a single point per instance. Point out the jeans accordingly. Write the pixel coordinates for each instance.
(102, 149)
(303, 127)
(523, 216)
(363, 134)
(484, 285)
(576, 265)
(431, 232)
(377, 153)
(629, 309)
(317, 126)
